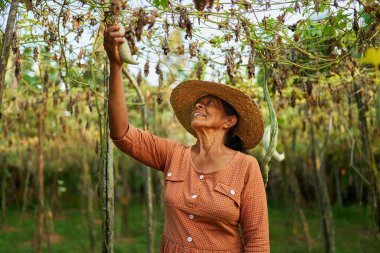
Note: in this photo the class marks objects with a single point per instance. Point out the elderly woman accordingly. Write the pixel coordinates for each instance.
(212, 189)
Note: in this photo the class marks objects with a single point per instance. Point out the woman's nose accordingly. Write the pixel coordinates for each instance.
(199, 106)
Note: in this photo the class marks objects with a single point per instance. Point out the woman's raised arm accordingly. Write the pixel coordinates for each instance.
(117, 109)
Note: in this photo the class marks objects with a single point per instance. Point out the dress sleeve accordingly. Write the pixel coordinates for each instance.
(254, 212)
(147, 148)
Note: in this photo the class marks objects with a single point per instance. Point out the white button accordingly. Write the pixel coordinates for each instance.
(169, 174)
(189, 239)
(201, 177)
(232, 192)
(191, 216)
(194, 196)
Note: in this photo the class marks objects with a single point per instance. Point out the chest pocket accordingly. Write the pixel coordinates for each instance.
(174, 189)
(229, 191)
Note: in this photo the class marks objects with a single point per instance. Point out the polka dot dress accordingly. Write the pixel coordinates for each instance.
(203, 212)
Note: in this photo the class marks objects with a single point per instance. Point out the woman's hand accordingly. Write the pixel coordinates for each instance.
(113, 38)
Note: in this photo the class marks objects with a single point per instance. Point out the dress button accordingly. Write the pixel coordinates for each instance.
(189, 239)
(201, 177)
(191, 216)
(194, 196)
(232, 192)
(169, 174)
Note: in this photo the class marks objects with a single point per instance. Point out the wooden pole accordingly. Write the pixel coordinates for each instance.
(147, 170)
(108, 178)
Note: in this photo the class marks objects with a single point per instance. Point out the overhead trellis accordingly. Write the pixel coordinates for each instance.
(303, 43)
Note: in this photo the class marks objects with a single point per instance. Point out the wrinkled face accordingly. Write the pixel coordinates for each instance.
(208, 113)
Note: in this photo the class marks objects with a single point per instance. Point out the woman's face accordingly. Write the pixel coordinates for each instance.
(208, 113)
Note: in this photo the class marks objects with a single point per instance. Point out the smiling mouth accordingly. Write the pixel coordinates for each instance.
(199, 114)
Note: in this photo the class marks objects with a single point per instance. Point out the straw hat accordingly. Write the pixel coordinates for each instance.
(250, 128)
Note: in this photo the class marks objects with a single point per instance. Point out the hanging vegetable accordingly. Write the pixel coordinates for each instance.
(124, 50)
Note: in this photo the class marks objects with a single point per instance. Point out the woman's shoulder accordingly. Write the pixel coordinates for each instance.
(248, 158)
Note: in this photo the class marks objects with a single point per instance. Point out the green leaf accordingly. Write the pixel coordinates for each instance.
(372, 56)
(378, 107)
(161, 3)
(368, 19)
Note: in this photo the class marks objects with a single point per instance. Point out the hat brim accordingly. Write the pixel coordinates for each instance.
(250, 128)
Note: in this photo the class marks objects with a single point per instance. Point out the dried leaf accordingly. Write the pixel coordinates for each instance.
(35, 54)
(281, 18)
(165, 46)
(66, 17)
(193, 48)
(251, 66)
(200, 4)
(297, 7)
(160, 83)
(141, 22)
(152, 19)
(199, 69)
(316, 5)
(181, 49)
(18, 61)
(309, 87)
(293, 98)
(237, 31)
(146, 68)
(139, 78)
(184, 22)
(230, 63)
(116, 7)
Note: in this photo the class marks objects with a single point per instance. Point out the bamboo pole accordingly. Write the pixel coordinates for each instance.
(107, 178)
(147, 171)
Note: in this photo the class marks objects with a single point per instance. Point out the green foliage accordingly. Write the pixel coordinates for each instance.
(71, 231)
(161, 3)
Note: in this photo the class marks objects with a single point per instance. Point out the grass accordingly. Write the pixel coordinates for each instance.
(354, 231)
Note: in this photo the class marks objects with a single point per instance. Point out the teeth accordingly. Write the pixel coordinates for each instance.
(200, 114)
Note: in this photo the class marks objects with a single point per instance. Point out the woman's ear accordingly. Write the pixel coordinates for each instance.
(231, 121)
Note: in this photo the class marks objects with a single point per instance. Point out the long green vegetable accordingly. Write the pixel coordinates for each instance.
(273, 127)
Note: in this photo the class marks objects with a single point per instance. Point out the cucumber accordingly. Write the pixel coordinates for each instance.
(124, 50)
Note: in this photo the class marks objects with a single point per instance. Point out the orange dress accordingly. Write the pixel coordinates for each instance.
(203, 211)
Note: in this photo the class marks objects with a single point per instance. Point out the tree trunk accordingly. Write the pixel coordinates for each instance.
(26, 186)
(6, 46)
(125, 197)
(41, 194)
(4, 176)
(337, 187)
(323, 199)
(89, 209)
(368, 157)
(295, 187)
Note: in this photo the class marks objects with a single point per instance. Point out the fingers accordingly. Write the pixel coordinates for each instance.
(112, 36)
(119, 40)
(112, 28)
(115, 34)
